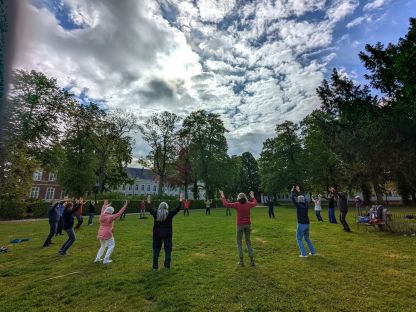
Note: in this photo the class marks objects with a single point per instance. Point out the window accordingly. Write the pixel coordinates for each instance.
(52, 176)
(154, 188)
(34, 192)
(62, 194)
(137, 187)
(148, 188)
(142, 187)
(37, 175)
(123, 187)
(129, 187)
(50, 192)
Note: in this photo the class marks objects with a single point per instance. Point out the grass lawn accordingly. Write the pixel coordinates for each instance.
(359, 271)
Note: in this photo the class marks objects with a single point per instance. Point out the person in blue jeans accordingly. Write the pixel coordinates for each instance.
(68, 217)
(302, 231)
(91, 212)
(162, 230)
(331, 208)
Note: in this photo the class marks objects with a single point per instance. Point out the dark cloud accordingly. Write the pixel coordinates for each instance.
(158, 89)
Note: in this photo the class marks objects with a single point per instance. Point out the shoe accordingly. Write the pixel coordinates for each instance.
(311, 254)
(154, 270)
(252, 264)
(167, 269)
(302, 256)
(63, 253)
(107, 261)
(98, 260)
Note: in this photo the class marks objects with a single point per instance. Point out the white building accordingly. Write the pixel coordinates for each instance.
(146, 182)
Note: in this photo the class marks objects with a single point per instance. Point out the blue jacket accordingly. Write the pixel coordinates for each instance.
(301, 209)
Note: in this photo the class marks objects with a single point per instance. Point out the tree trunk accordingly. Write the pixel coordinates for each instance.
(161, 184)
(365, 190)
(195, 190)
(379, 192)
(101, 175)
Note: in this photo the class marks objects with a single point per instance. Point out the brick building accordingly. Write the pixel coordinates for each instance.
(45, 186)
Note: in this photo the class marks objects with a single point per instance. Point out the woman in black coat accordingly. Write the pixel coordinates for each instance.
(162, 230)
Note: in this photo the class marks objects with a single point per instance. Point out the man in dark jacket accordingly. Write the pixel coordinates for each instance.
(91, 212)
(162, 230)
(342, 203)
(68, 218)
(270, 204)
(302, 230)
(53, 216)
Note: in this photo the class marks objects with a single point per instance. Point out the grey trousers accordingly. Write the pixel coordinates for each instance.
(246, 230)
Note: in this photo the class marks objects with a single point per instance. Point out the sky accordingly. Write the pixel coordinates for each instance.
(255, 63)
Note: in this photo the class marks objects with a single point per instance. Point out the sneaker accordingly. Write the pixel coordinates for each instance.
(311, 254)
(252, 264)
(98, 260)
(167, 269)
(107, 261)
(302, 256)
(154, 270)
(240, 263)
(63, 253)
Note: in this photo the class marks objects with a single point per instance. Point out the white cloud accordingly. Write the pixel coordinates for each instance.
(376, 4)
(256, 70)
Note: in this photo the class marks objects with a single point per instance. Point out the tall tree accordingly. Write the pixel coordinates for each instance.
(160, 132)
(281, 160)
(208, 147)
(249, 174)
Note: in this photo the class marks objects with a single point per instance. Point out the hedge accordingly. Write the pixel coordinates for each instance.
(39, 209)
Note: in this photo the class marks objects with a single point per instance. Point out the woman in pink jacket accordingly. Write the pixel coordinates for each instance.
(105, 232)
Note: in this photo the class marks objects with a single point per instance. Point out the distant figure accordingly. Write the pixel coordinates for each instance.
(317, 201)
(242, 206)
(162, 230)
(302, 231)
(331, 208)
(91, 212)
(359, 205)
(142, 208)
(53, 216)
(68, 218)
(208, 206)
(186, 207)
(342, 203)
(270, 204)
(105, 232)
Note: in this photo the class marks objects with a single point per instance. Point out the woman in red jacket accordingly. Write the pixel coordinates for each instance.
(243, 207)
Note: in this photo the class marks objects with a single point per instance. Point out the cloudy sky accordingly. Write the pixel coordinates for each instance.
(256, 63)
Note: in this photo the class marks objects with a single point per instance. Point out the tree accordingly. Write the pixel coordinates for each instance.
(281, 160)
(111, 138)
(393, 71)
(249, 174)
(208, 148)
(161, 134)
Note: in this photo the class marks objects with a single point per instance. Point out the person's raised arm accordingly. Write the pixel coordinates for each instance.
(120, 212)
(293, 196)
(253, 202)
(149, 205)
(225, 202)
(105, 205)
(178, 207)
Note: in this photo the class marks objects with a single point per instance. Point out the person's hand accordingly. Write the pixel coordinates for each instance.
(222, 194)
(105, 204)
(293, 188)
(297, 188)
(181, 197)
(149, 199)
(251, 194)
(81, 200)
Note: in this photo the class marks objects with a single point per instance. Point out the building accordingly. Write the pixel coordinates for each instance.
(45, 186)
(146, 182)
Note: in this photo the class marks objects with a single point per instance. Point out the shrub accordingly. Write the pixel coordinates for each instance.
(12, 209)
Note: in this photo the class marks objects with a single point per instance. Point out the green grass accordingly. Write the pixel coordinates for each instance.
(359, 271)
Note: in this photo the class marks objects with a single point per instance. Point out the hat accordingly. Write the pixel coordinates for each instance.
(241, 195)
(109, 210)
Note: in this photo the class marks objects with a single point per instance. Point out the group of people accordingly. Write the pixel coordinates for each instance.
(163, 217)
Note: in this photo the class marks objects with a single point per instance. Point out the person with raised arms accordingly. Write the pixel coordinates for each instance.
(242, 206)
(68, 224)
(105, 232)
(302, 231)
(162, 230)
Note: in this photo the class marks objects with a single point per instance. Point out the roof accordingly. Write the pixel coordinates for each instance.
(141, 174)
